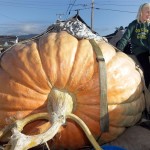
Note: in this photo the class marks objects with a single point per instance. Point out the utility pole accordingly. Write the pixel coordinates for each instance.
(77, 11)
(92, 14)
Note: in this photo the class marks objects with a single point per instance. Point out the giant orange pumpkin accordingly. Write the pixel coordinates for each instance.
(30, 70)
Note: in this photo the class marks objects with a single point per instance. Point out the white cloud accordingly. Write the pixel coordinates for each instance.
(31, 28)
(24, 29)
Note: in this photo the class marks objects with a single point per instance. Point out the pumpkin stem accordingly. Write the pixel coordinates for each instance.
(60, 106)
(86, 130)
(19, 124)
(62, 102)
(31, 141)
(23, 142)
(59, 102)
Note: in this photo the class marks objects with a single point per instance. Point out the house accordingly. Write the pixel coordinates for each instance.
(7, 41)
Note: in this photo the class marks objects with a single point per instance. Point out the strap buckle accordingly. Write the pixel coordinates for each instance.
(100, 58)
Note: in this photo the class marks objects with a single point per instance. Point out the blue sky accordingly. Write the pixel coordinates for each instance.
(34, 16)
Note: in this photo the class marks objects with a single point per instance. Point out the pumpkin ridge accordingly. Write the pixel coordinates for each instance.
(14, 78)
(93, 122)
(81, 68)
(19, 66)
(48, 81)
(75, 49)
(71, 71)
(92, 116)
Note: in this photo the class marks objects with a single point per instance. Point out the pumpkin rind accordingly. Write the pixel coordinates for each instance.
(29, 71)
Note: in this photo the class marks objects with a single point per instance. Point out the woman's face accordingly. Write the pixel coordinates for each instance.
(145, 15)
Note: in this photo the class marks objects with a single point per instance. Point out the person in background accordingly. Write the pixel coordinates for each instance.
(138, 32)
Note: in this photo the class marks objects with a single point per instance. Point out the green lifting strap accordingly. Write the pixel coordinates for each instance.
(104, 116)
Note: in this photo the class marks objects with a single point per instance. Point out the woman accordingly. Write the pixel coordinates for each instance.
(138, 32)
